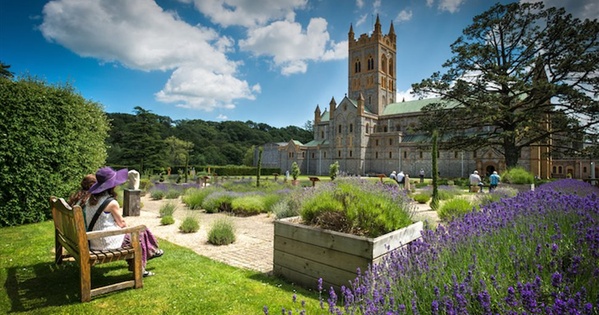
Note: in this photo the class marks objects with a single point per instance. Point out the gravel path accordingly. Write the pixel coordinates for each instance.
(253, 248)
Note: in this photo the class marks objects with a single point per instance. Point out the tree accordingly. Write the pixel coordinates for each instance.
(435, 200)
(334, 170)
(520, 75)
(259, 167)
(50, 137)
(143, 146)
(178, 152)
(4, 72)
(295, 170)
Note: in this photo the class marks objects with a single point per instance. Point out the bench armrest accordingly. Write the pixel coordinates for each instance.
(127, 230)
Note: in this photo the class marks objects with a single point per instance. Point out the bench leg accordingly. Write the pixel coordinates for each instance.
(86, 283)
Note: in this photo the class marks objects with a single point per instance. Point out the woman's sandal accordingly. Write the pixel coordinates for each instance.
(148, 274)
(157, 253)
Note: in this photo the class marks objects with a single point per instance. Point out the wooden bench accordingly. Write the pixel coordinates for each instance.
(71, 235)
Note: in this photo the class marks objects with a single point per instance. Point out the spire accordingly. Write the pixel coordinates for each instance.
(317, 115)
(377, 25)
(391, 29)
(332, 106)
(350, 35)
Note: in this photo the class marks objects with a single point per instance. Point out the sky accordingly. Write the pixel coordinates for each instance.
(268, 61)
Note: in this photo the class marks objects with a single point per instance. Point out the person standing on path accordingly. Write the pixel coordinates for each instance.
(495, 179)
(421, 175)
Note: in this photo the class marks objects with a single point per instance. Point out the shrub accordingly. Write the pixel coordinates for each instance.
(190, 225)
(357, 206)
(157, 194)
(218, 201)
(51, 138)
(270, 200)
(167, 220)
(172, 194)
(222, 232)
(248, 205)
(145, 184)
(193, 198)
(422, 197)
(517, 175)
(295, 170)
(454, 208)
(282, 210)
(167, 209)
(496, 195)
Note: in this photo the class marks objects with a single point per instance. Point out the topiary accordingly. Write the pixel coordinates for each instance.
(222, 232)
(189, 225)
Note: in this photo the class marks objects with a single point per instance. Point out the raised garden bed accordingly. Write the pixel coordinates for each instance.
(303, 254)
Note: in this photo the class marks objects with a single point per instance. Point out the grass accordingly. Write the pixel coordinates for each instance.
(185, 283)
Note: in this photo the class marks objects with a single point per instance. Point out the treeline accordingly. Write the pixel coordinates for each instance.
(151, 143)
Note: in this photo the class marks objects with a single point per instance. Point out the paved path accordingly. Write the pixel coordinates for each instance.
(253, 248)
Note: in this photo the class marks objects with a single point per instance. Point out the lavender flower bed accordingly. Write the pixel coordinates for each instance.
(536, 253)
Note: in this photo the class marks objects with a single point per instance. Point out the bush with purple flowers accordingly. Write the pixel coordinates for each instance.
(536, 253)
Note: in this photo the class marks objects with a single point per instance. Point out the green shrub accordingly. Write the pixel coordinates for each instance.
(190, 225)
(454, 208)
(167, 209)
(357, 206)
(496, 195)
(420, 185)
(157, 194)
(218, 201)
(222, 232)
(193, 198)
(517, 175)
(51, 138)
(167, 220)
(172, 194)
(248, 205)
(422, 197)
(282, 210)
(145, 184)
(270, 200)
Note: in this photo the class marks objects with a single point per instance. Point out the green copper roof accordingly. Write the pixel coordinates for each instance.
(408, 106)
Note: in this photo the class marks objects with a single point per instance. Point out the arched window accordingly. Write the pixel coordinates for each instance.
(367, 128)
(370, 63)
(384, 63)
(385, 129)
(351, 128)
(322, 134)
(339, 129)
(390, 154)
(357, 67)
(390, 67)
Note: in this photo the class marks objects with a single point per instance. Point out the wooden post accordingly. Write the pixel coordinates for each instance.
(131, 202)
(381, 176)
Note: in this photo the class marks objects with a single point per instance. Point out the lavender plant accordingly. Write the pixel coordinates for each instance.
(535, 253)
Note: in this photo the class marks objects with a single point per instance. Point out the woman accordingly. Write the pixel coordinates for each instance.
(102, 193)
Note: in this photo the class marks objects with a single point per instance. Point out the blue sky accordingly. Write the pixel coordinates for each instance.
(268, 61)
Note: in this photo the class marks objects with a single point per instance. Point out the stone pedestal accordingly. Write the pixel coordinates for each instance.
(131, 202)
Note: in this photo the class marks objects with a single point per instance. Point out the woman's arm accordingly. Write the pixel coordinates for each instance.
(114, 209)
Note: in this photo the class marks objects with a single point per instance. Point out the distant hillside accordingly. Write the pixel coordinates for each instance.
(138, 140)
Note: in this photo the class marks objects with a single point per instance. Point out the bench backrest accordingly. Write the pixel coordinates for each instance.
(70, 227)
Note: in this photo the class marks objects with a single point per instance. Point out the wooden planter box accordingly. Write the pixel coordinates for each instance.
(303, 254)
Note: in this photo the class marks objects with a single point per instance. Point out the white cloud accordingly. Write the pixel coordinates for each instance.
(222, 117)
(406, 95)
(140, 35)
(248, 13)
(583, 9)
(450, 6)
(359, 3)
(291, 47)
(403, 16)
(362, 19)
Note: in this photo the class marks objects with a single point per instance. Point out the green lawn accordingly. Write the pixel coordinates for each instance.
(185, 283)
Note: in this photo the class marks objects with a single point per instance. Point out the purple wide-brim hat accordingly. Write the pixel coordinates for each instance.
(108, 178)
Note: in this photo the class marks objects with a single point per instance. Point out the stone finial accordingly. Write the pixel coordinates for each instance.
(133, 180)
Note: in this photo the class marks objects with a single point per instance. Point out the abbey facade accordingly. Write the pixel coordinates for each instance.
(369, 132)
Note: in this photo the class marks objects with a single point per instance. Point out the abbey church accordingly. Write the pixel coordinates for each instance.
(370, 132)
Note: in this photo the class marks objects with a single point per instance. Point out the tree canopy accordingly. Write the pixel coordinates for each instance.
(520, 75)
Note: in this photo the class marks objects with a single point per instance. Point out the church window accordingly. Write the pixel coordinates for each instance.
(385, 129)
(369, 100)
(350, 153)
(367, 128)
(554, 170)
(376, 155)
(303, 155)
(405, 154)
(322, 134)
(325, 155)
(559, 170)
(584, 169)
(339, 129)
(421, 154)
(351, 128)
(390, 67)
(376, 142)
(370, 63)
(390, 154)
(313, 155)
(390, 141)
(339, 153)
(357, 67)
(455, 154)
(397, 127)
(384, 63)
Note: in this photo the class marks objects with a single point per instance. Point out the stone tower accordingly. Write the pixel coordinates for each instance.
(371, 67)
